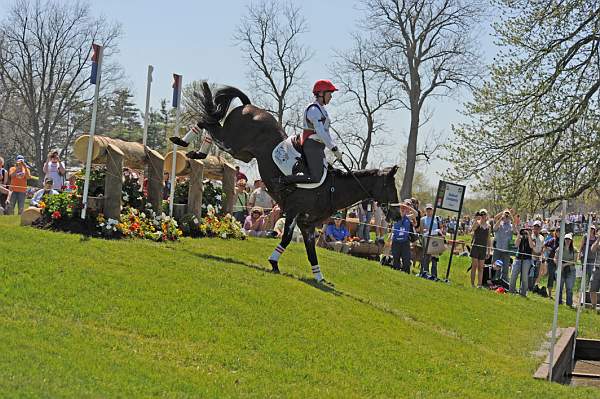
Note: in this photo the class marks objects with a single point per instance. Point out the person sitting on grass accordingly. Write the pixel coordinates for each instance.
(336, 235)
(254, 225)
(47, 190)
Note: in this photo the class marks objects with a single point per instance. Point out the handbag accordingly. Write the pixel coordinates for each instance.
(436, 247)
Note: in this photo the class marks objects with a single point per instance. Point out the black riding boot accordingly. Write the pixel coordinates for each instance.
(298, 179)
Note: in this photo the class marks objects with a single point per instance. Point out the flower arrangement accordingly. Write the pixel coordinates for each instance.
(60, 206)
(107, 227)
(223, 227)
(147, 225)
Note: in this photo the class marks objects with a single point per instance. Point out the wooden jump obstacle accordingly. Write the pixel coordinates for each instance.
(214, 168)
(116, 153)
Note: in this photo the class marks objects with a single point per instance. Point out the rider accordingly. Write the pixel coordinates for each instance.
(315, 136)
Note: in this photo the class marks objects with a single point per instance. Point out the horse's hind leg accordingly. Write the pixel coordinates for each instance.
(308, 233)
(288, 232)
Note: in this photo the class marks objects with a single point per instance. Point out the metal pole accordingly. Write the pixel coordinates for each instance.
(559, 282)
(88, 160)
(174, 160)
(146, 117)
(583, 282)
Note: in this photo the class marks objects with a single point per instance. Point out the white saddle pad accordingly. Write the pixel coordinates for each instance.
(285, 157)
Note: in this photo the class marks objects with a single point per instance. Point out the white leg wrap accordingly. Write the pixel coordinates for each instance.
(316, 269)
(277, 253)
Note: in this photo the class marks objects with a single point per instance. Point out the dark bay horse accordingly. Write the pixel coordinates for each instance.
(250, 132)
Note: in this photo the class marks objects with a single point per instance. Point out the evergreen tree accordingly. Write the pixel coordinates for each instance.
(124, 118)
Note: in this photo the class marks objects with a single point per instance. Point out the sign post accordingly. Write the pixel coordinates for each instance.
(450, 197)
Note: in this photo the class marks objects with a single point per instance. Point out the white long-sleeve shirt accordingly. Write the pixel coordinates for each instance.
(37, 197)
(317, 119)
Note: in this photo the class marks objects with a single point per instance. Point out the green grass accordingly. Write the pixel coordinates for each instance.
(204, 318)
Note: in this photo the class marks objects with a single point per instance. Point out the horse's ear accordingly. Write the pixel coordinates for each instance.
(393, 171)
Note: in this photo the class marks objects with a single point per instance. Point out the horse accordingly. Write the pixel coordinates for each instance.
(248, 132)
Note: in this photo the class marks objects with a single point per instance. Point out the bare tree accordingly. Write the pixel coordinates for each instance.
(45, 61)
(427, 47)
(269, 35)
(369, 93)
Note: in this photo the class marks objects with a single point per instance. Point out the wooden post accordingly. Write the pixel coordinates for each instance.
(196, 187)
(113, 183)
(229, 175)
(155, 180)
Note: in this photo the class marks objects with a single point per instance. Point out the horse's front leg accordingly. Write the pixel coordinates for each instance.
(288, 233)
(308, 233)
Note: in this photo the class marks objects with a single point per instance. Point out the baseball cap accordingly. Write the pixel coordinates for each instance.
(499, 262)
(429, 206)
(20, 158)
(569, 236)
(483, 211)
(537, 223)
(48, 180)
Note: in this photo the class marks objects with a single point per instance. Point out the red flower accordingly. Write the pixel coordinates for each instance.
(134, 226)
(56, 215)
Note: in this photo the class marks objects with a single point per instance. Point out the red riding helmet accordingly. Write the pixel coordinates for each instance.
(323, 85)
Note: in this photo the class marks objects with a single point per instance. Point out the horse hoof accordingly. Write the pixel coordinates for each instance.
(179, 141)
(274, 266)
(196, 155)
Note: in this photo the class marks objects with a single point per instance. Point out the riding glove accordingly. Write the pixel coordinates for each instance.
(338, 154)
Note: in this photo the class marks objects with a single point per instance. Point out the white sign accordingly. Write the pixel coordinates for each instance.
(450, 196)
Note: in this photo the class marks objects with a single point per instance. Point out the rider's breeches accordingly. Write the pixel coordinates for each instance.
(314, 152)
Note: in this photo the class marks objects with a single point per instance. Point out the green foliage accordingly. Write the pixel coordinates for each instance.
(205, 318)
(97, 177)
(131, 191)
(60, 206)
(212, 196)
(533, 134)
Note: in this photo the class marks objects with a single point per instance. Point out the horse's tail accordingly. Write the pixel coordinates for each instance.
(214, 108)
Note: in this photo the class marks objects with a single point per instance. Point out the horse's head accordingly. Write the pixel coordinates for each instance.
(390, 191)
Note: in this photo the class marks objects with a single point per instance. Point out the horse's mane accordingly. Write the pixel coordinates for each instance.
(363, 172)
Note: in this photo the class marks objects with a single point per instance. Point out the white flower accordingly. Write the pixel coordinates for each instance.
(196, 221)
(218, 197)
(143, 215)
(224, 235)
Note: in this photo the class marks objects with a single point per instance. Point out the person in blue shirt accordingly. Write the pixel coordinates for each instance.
(400, 238)
(336, 235)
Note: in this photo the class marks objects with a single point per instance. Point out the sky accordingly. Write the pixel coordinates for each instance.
(194, 39)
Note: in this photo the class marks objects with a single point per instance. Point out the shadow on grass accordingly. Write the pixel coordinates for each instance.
(325, 287)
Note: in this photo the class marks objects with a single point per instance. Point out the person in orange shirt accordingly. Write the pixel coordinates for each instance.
(18, 175)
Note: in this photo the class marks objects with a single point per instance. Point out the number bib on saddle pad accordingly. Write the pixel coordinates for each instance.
(286, 157)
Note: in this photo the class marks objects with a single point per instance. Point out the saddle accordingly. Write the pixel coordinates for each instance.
(289, 158)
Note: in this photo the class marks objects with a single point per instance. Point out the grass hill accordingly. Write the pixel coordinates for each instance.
(204, 318)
